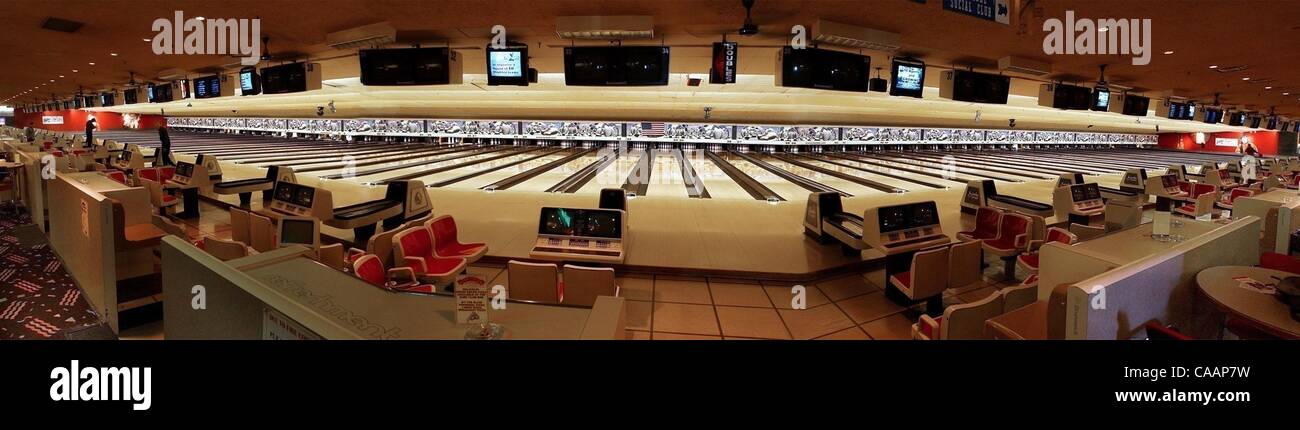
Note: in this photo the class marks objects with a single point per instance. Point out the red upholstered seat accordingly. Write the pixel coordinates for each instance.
(415, 246)
(986, 225)
(168, 198)
(931, 332)
(370, 268)
(446, 243)
(904, 278)
(166, 173)
(1029, 260)
(116, 175)
(1276, 261)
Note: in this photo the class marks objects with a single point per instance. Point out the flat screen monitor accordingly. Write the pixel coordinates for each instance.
(1254, 122)
(507, 66)
(1100, 99)
(126, 155)
(299, 231)
(1136, 105)
(1237, 119)
(107, 99)
(184, 169)
(907, 78)
(285, 78)
(207, 87)
(409, 66)
(249, 82)
(974, 87)
(908, 216)
(825, 69)
(1169, 181)
(616, 65)
(1071, 97)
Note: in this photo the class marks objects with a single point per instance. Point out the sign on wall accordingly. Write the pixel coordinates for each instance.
(1226, 141)
(52, 120)
(991, 10)
(276, 326)
(723, 70)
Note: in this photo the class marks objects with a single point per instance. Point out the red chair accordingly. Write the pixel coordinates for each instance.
(414, 249)
(925, 279)
(1158, 331)
(986, 225)
(1235, 194)
(116, 175)
(1029, 260)
(370, 269)
(1013, 238)
(445, 243)
(1276, 261)
(1202, 199)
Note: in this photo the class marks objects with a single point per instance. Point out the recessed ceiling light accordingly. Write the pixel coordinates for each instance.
(1214, 67)
(1245, 79)
(1268, 88)
(74, 70)
(112, 54)
(147, 40)
(60, 76)
(1286, 94)
(1169, 52)
(51, 80)
(92, 64)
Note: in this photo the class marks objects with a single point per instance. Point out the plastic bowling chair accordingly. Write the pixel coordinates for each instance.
(986, 225)
(165, 203)
(446, 244)
(1233, 195)
(1013, 238)
(370, 269)
(583, 284)
(926, 278)
(117, 175)
(224, 250)
(534, 282)
(1029, 260)
(413, 248)
(239, 225)
(963, 321)
(133, 236)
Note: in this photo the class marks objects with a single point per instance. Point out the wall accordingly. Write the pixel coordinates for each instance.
(1265, 141)
(74, 120)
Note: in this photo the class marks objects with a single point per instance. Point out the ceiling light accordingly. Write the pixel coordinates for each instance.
(1245, 79)
(1268, 88)
(60, 76)
(1214, 67)
(1286, 94)
(51, 80)
(92, 64)
(74, 70)
(1169, 52)
(147, 40)
(113, 54)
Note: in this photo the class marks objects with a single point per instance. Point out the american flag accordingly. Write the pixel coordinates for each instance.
(652, 129)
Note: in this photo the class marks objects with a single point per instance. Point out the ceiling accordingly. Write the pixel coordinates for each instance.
(1258, 34)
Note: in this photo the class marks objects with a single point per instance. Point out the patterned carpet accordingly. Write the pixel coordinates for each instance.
(38, 299)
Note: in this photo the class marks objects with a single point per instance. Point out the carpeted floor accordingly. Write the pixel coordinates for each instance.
(38, 299)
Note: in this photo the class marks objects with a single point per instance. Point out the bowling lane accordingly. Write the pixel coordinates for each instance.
(1037, 162)
(551, 177)
(416, 166)
(499, 174)
(667, 178)
(715, 180)
(893, 182)
(393, 153)
(1021, 171)
(431, 178)
(786, 189)
(863, 158)
(614, 175)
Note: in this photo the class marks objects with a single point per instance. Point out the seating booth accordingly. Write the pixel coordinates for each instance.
(287, 294)
(1110, 287)
(1279, 211)
(103, 232)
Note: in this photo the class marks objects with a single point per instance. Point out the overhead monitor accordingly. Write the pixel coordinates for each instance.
(907, 78)
(507, 66)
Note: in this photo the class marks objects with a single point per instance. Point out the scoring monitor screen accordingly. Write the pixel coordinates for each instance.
(1169, 181)
(596, 223)
(1085, 192)
(903, 217)
(184, 169)
(297, 231)
(304, 196)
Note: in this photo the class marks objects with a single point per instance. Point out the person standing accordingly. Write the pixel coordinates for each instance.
(90, 132)
(30, 133)
(165, 151)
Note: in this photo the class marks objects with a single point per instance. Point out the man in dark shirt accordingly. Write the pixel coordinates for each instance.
(165, 151)
(90, 132)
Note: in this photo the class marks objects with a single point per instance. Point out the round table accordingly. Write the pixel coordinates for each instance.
(1262, 309)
